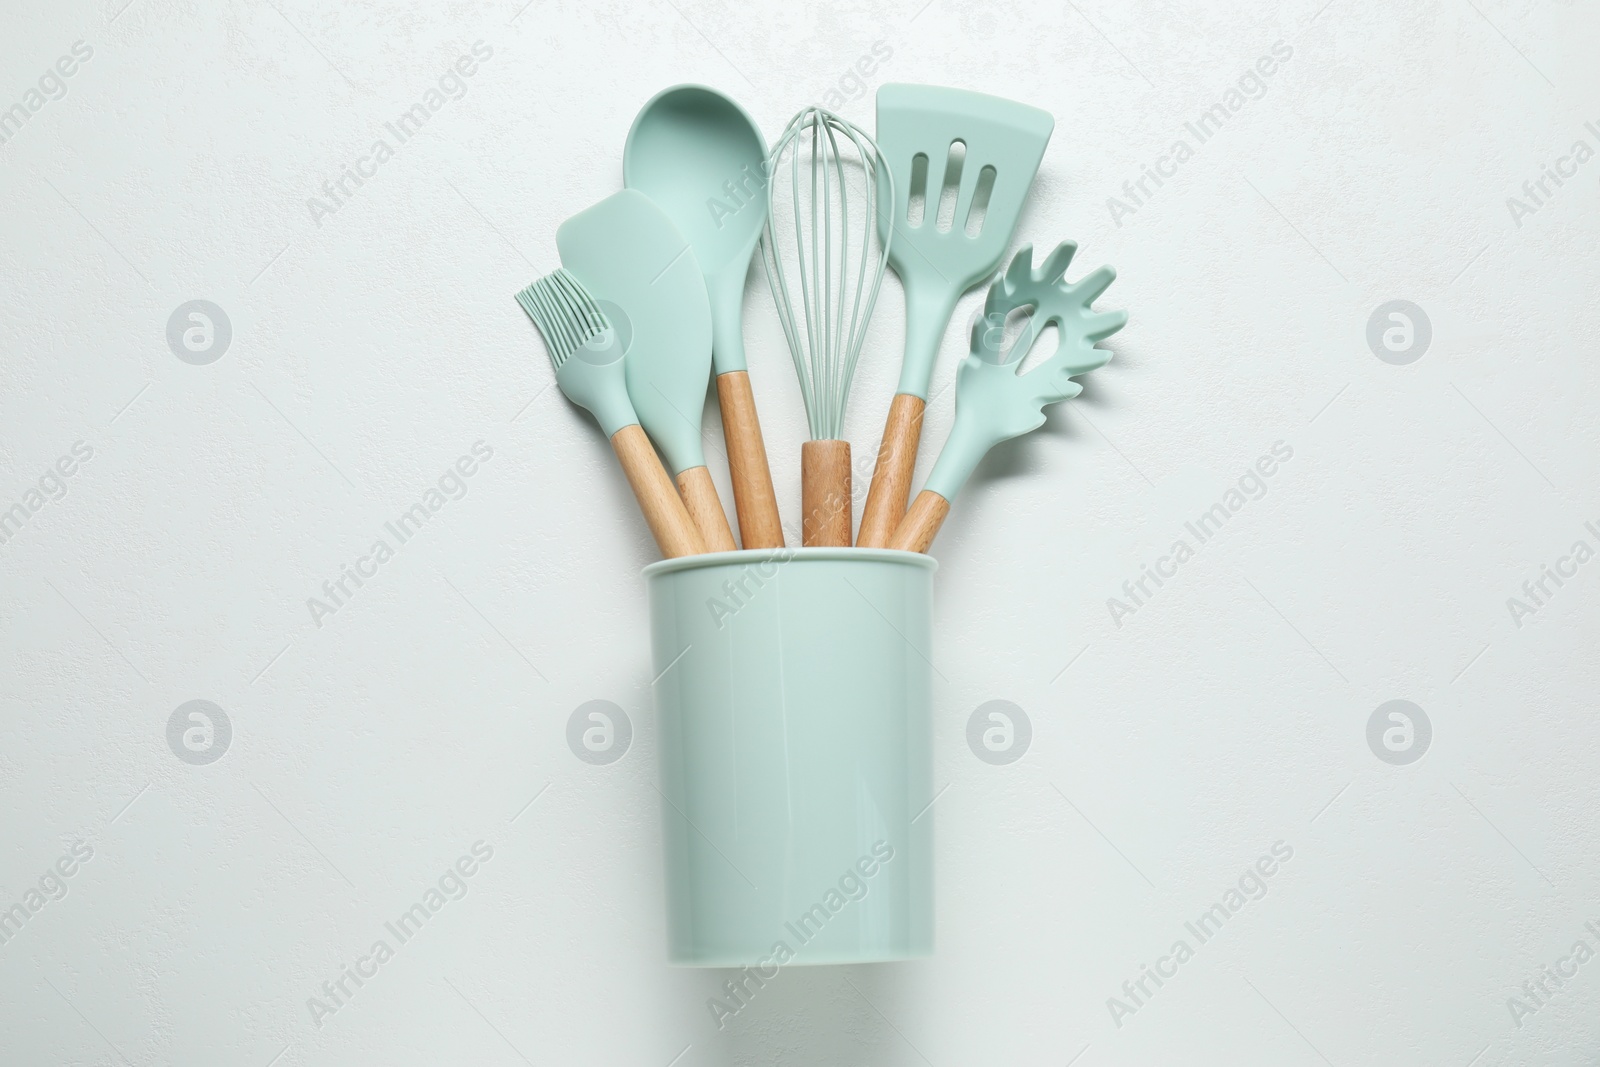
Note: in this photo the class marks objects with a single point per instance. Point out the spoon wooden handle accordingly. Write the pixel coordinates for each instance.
(825, 493)
(705, 508)
(669, 521)
(753, 498)
(891, 479)
(921, 524)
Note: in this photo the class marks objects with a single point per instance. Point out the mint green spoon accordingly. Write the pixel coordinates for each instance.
(993, 402)
(700, 157)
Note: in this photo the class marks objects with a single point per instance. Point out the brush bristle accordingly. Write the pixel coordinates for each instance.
(565, 313)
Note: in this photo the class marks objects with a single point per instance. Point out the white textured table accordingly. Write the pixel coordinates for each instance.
(181, 500)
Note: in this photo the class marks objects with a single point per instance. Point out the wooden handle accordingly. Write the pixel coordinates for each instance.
(753, 498)
(921, 524)
(825, 493)
(891, 479)
(700, 497)
(668, 519)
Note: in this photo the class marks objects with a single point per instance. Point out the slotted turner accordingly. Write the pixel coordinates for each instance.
(1003, 142)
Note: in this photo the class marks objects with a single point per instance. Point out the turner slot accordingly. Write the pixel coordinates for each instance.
(980, 201)
(952, 185)
(917, 205)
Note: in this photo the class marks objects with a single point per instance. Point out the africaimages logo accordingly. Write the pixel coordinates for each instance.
(453, 484)
(451, 85)
(852, 885)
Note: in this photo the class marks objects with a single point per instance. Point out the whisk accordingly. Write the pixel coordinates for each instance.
(827, 241)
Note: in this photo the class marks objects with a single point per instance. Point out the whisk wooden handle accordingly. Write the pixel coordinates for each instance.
(825, 494)
(921, 524)
(700, 497)
(753, 498)
(891, 478)
(669, 521)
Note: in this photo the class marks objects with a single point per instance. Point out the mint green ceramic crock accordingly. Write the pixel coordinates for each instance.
(794, 696)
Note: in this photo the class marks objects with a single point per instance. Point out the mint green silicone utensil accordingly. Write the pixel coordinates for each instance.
(987, 150)
(626, 251)
(994, 402)
(824, 264)
(700, 156)
(586, 352)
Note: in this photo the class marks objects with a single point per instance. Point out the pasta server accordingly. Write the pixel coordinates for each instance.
(995, 403)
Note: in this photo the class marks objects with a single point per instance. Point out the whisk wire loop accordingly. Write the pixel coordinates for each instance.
(835, 254)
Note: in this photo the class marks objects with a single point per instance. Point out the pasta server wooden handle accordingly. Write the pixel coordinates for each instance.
(664, 512)
(921, 524)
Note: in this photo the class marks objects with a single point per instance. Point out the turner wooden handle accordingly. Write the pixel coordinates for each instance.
(669, 521)
(921, 524)
(700, 497)
(891, 478)
(825, 493)
(753, 498)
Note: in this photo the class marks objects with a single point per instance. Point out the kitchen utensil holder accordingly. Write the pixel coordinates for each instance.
(793, 694)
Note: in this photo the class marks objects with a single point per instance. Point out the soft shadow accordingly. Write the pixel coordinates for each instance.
(815, 1015)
